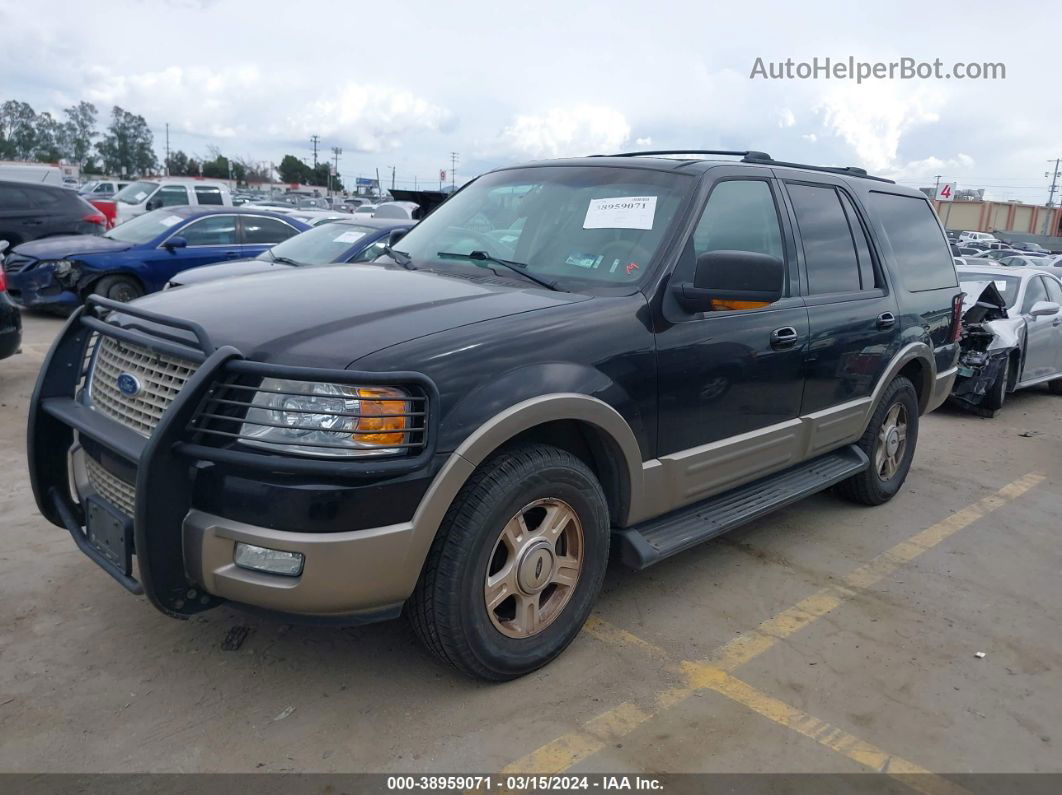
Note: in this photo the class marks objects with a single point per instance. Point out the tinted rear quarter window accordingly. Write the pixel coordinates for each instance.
(207, 194)
(920, 252)
(13, 198)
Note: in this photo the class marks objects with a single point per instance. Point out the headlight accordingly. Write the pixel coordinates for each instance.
(62, 266)
(327, 419)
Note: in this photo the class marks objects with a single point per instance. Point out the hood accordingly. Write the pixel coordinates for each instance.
(241, 267)
(329, 317)
(70, 246)
(982, 301)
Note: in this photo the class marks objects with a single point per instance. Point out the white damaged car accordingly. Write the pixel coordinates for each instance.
(1011, 334)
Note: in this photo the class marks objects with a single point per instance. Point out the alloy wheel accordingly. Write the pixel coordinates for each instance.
(534, 568)
(892, 442)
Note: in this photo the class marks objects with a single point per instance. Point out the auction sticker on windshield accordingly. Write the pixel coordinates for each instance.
(349, 237)
(170, 220)
(621, 212)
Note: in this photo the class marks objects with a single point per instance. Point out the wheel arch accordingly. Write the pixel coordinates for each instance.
(611, 450)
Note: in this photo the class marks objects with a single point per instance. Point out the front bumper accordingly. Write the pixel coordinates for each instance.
(183, 555)
(40, 287)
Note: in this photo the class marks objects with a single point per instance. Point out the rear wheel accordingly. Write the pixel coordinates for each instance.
(889, 442)
(1055, 386)
(118, 288)
(516, 566)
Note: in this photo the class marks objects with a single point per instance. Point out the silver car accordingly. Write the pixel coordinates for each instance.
(1011, 334)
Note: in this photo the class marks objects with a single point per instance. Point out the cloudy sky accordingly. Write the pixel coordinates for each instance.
(403, 84)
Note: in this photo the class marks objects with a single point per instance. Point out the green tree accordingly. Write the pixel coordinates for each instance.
(293, 170)
(50, 139)
(90, 166)
(80, 128)
(127, 147)
(177, 165)
(18, 131)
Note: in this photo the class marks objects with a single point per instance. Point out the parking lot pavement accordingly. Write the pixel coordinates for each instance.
(827, 637)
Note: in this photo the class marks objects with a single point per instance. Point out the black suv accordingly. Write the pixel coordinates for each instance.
(29, 211)
(639, 352)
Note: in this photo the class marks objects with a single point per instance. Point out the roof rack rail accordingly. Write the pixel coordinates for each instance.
(847, 171)
(650, 153)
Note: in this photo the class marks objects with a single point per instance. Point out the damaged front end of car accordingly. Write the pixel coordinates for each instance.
(988, 338)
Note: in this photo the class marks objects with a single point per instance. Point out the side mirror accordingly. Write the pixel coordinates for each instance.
(175, 242)
(153, 204)
(732, 276)
(395, 235)
(1044, 309)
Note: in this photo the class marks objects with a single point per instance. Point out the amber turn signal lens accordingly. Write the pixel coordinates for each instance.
(718, 304)
(382, 421)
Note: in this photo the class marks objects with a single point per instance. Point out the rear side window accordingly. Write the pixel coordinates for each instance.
(829, 248)
(921, 253)
(265, 230)
(45, 199)
(208, 194)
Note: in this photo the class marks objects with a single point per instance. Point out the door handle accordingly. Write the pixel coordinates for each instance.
(886, 320)
(784, 337)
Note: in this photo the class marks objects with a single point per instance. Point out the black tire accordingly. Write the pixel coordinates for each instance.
(996, 395)
(448, 608)
(869, 487)
(118, 288)
(1055, 386)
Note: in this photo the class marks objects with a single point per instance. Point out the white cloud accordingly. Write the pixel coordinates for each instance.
(810, 137)
(241, 102)
(786, 118)
(873, 117)
(573, 130)
(647, 141)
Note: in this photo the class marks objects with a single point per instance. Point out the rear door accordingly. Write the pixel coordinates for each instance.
(1054, 293)
(19, 221)
(854, 325)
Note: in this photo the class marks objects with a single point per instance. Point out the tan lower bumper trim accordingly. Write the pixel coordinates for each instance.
(344, 572)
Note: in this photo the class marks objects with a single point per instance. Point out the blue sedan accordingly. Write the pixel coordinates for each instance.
(352, 239)
(141, 255)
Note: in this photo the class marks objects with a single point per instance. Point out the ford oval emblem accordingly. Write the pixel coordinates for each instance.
(128, 384)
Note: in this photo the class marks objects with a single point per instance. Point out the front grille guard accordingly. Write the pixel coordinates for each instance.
(164, 460)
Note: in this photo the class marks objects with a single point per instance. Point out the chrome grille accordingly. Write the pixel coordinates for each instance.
(116, 491)
(161, 378)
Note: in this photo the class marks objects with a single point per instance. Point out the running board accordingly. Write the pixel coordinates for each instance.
(645, 544)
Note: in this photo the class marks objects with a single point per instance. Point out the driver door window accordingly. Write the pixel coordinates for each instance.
(214, 230)
(1033, 293)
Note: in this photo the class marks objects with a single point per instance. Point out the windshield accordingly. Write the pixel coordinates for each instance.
(576, 225)
(135, 192)
(319, 245)
(144, 227)
(1008, 286)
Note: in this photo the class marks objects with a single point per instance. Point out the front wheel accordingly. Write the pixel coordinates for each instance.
(118, 288)
(889, 442)
(997, 393)
(516, 566)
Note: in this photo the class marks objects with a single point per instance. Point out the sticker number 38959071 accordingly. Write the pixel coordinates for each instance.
(621, 212)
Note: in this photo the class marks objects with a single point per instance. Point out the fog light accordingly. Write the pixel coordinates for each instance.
(273, 561)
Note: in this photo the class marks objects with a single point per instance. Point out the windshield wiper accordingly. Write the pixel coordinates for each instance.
(287, 261)
(515, 267)
(401, 257)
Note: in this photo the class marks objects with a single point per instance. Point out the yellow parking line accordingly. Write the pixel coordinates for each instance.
(706, 677)
(570, 749)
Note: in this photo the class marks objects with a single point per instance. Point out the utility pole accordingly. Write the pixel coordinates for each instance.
(453, 170)
(392, 177)
(336, 152)
(378, 191)
(1051, 194)
(167, 149)
(314, 139)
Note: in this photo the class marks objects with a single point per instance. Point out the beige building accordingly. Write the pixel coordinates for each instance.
(987, 216)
